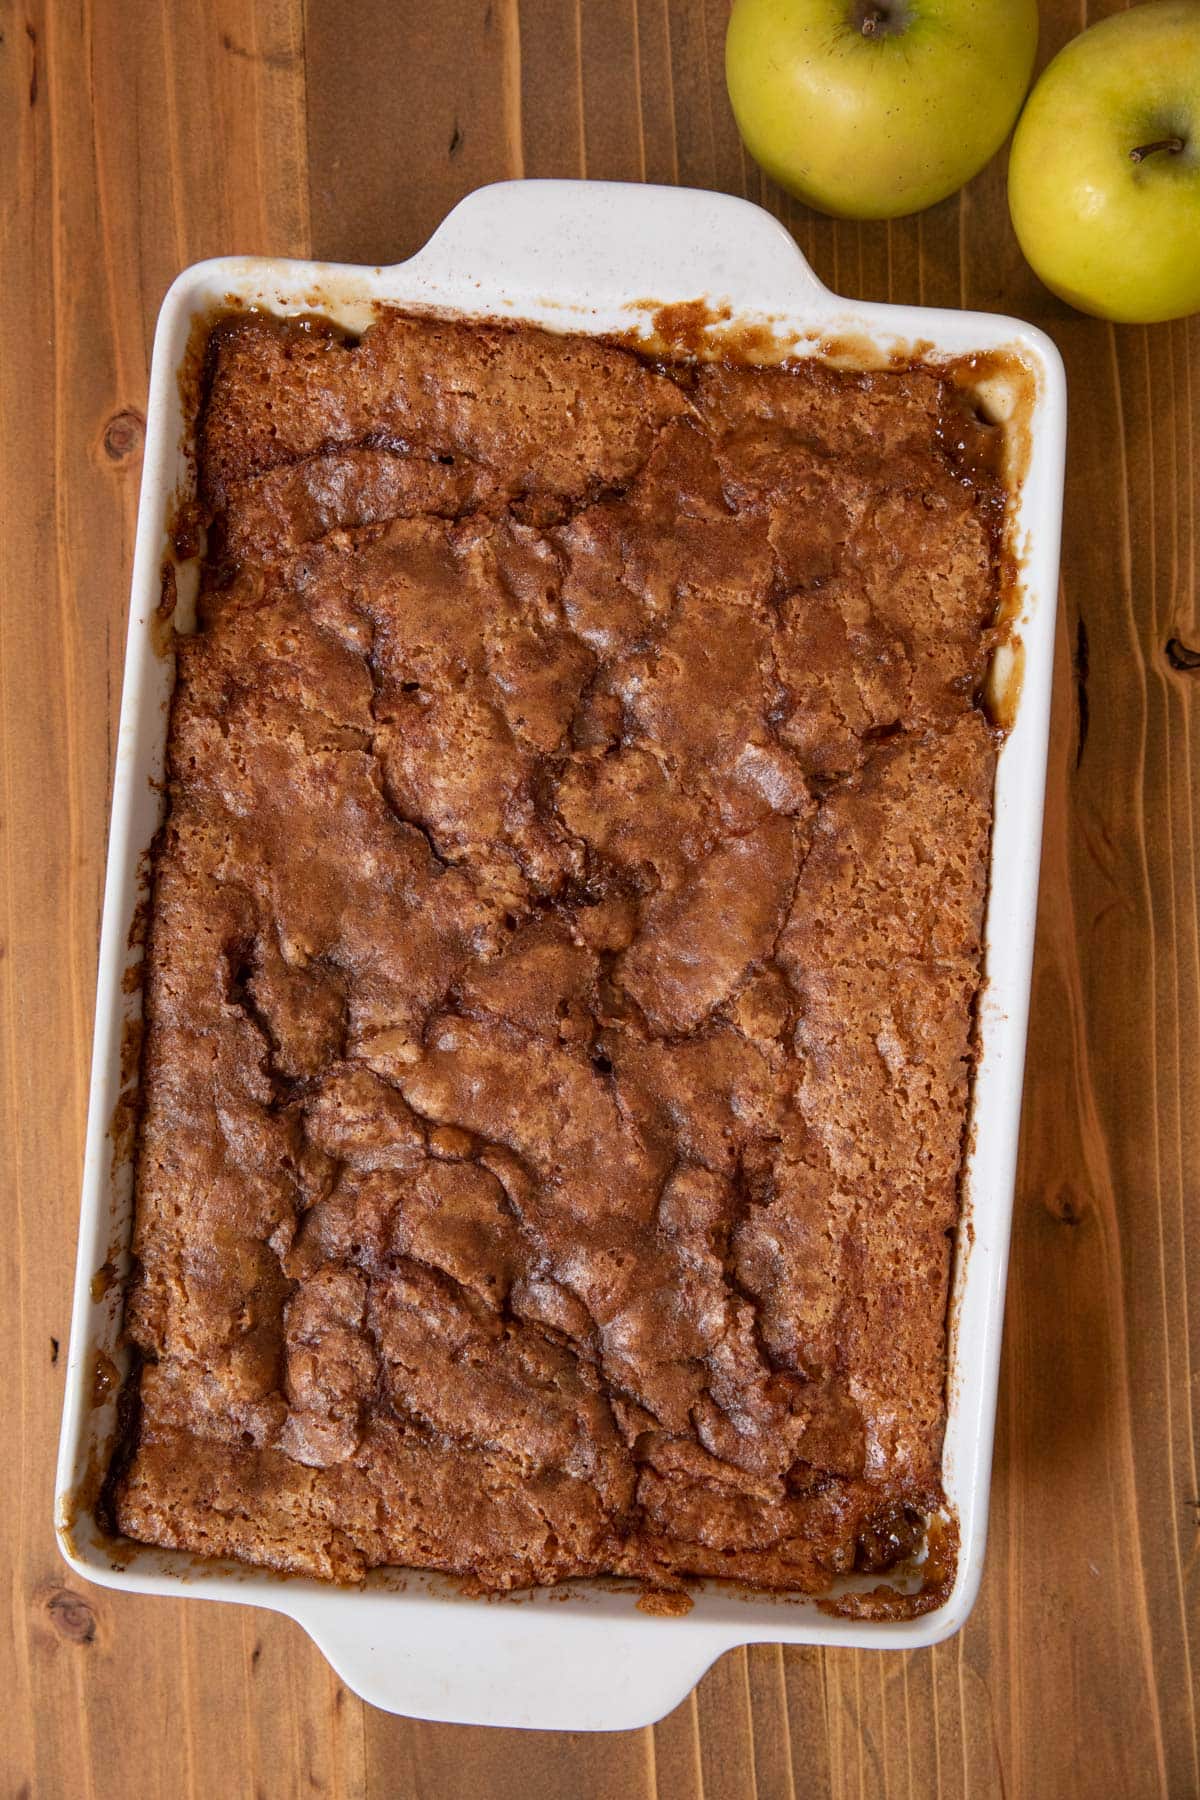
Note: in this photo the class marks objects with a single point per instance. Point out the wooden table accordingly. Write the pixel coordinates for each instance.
(136, 137)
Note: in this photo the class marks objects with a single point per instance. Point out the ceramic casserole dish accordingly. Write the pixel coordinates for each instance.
(597, 258)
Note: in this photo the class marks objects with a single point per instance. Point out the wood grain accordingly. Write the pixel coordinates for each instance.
(136, 137)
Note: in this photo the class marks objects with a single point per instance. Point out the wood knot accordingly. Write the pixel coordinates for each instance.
(70, 1615)
(1065, 1205)
(124, 435)
(1182, 657)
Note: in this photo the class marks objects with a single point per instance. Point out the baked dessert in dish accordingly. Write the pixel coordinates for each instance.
(565, 935)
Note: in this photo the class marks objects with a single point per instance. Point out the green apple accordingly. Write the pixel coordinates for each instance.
(1104, 177)
(875, 109)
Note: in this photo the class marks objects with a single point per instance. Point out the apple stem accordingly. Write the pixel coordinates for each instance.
(872, 19)
(1172, 144)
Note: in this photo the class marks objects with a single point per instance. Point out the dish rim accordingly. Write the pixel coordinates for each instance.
(577, 256)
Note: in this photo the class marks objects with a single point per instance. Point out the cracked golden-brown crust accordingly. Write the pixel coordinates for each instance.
(566, 928)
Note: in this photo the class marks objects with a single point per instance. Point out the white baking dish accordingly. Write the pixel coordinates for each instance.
(584, 257)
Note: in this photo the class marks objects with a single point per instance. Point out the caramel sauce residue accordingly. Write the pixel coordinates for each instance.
(121, 1552)
(139, 925)
(683, 327)
(162, 619)
(122, 1128)
(1006, 681)
(103, 1280)
(1003, 387)
(663, 1603)
(937, 1578)
(106, 1378)
(83, 1497)
(695, 331)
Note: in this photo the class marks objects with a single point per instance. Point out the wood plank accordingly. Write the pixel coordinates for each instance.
(506, 1765)
(410, 106)
(137, 137)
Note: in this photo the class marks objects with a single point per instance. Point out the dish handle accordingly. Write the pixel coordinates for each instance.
(546, 241)
(500, 1664)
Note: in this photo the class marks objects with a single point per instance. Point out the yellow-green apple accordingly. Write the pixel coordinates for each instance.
(873, 108)
(1104, 176)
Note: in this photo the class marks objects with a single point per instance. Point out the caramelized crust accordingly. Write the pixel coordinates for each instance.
(566, 930)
